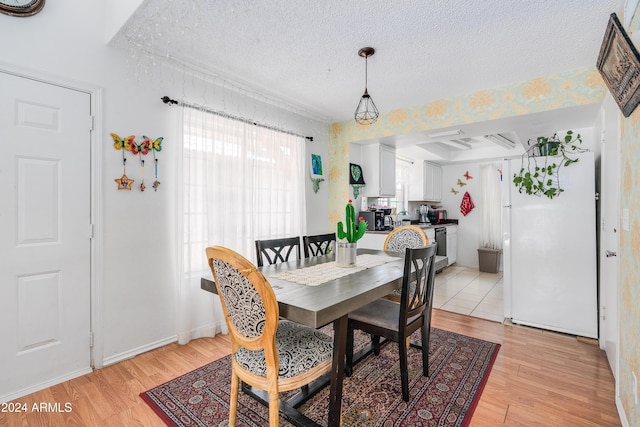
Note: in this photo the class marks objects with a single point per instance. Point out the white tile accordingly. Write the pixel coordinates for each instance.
(467, 291)
(490, 306)
(475, 293)
(454, 309)
(489, 316)
(480, 286)
(440, 300)
(464, 302)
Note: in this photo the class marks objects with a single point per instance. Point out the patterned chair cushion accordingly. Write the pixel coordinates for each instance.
(300, 348)
(241, 298)
(404, 239)
(399, 242)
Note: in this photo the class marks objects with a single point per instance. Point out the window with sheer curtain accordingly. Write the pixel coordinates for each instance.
(491, 206)
(240, 183)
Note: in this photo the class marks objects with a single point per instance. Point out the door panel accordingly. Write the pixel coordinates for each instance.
(609, 265)
(44, 227)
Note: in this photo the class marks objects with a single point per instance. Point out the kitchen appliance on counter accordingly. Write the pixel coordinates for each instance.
(424, 214)
(388, 218)
(375, 220)
(437, 216)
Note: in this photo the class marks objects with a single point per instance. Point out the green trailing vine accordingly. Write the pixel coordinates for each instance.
(541, 174)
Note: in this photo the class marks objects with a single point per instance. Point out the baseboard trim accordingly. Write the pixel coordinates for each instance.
(49, 383)
(621, 414)
(138, 350)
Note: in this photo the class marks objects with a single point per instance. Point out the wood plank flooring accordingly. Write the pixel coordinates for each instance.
(540, 378)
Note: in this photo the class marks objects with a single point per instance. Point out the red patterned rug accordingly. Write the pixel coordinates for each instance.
(459, 368)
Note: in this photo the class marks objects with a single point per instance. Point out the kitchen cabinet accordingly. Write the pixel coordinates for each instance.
(372, 241)
(452, 244)
(379, 170)
(425, 182)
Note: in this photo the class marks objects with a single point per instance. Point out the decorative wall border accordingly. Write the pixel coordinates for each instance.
(579, 87)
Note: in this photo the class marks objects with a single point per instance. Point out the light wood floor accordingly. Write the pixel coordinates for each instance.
(539, 378)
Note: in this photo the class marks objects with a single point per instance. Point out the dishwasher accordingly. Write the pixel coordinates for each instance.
(441, 240)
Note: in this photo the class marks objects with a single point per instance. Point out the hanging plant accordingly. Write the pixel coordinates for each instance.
(540, 176)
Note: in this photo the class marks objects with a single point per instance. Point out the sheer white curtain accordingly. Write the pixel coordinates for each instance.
(491, 207)
(240, 183)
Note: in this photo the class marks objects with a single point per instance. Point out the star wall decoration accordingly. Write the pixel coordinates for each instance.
(124, 183)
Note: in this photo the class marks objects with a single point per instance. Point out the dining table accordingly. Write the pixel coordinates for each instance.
(315, 291)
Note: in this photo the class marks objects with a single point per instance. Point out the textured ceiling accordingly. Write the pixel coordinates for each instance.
(305, 52)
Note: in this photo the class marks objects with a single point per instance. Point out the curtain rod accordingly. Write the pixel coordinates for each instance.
(170, 101)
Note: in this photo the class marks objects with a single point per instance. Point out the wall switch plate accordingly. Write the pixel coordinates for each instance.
(635, 387)
(625, 219)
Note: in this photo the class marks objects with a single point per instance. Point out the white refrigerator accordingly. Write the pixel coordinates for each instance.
(549, 252)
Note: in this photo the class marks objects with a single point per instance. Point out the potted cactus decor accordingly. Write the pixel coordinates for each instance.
(348, 236)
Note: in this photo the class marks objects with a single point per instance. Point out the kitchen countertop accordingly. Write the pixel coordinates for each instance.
(423, 226)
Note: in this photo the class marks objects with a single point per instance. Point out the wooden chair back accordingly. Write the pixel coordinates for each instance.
(277, 250)
(416, 296)
(320, 244)
(248, 302)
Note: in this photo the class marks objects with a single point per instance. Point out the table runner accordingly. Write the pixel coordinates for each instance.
(322, 273)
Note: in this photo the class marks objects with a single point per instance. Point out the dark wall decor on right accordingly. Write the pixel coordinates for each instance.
(619, 65)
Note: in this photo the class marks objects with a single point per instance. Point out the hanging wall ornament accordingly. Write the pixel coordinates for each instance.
(124, 183)
(155, 146)
(141, 149)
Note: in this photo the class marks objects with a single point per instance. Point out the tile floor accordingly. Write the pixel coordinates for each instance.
(468, 291)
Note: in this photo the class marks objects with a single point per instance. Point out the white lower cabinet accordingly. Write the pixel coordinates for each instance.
(372, 241)
(452, 244)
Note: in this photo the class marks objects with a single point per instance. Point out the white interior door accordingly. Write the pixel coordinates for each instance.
(45, 251)
(609, 265)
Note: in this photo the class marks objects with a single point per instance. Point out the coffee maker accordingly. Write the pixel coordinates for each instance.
(424, 214)
(375, 220)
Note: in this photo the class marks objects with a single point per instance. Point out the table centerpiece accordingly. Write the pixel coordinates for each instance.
(348, 236)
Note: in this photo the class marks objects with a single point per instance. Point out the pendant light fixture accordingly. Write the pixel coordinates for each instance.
(367, 112)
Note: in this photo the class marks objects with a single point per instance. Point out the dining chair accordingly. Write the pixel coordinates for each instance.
(396, 322)
(277, 250)
(401, 238)
(320, 244)
(406, 236)
(266, 353)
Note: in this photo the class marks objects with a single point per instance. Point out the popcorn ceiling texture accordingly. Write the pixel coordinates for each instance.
(305, 52)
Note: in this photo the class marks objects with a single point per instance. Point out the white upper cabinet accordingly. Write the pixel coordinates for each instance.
(379, 170)
(425, 182)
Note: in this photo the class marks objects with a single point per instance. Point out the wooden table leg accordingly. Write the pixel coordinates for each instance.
(337, 370)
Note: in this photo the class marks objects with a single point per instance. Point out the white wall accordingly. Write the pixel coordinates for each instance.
(66, 41)
(469, 225)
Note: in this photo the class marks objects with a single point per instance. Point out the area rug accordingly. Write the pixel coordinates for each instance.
(372, 396)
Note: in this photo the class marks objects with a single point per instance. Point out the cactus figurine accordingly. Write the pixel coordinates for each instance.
(351, 233)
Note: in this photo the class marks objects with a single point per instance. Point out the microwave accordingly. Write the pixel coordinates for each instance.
(375, 220)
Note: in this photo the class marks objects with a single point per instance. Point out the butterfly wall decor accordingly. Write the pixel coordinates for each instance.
(467, 176)
(120, 143)
(454, 191)
(142, 148)
(461, 183)
(138, 149)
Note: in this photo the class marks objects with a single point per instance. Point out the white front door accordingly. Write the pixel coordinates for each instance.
(610, 234)
(45, 251)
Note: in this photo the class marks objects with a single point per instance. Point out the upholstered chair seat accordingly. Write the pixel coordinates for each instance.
(300, 348)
